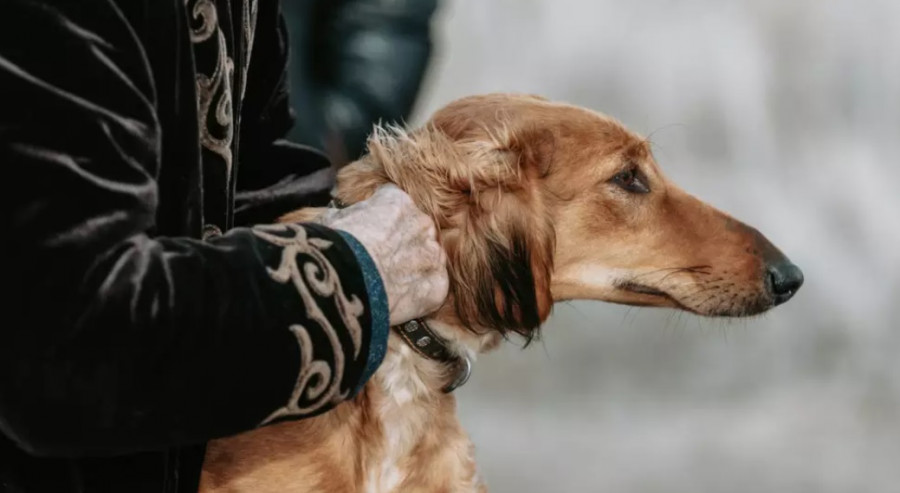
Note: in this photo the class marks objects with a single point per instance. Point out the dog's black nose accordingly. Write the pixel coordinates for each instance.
(785, 279)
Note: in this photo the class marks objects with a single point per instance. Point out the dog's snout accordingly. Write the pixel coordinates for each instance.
(785, 279)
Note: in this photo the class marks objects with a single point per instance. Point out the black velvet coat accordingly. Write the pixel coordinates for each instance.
(142, 314)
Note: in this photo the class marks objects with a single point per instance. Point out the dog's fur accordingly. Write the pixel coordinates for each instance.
(524, 194)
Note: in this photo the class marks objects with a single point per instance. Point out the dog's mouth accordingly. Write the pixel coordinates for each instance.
(711, 306)
(650, 296)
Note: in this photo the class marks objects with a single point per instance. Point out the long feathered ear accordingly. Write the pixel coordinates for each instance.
(476, 169)
(501, 274)
(501, 253)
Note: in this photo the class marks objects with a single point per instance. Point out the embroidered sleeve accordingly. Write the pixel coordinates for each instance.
(117, 340)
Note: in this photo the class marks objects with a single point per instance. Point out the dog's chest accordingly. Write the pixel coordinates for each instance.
(402, 417)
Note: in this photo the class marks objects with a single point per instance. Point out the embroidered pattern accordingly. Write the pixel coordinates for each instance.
(249, 30)
(316, 385)
(215, 84)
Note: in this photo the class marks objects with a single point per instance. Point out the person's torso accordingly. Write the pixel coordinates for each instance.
(198, 52)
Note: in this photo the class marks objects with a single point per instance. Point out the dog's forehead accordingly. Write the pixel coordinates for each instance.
(614, 138)
(637, 150)
(604, 130)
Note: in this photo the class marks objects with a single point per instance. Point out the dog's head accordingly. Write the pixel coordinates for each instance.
(538, 202)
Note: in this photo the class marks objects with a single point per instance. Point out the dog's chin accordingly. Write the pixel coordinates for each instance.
(635, 294)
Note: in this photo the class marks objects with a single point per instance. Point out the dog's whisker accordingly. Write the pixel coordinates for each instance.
(660, 129)
(697, 293)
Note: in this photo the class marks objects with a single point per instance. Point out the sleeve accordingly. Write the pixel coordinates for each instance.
(369, 63)
(115, 341)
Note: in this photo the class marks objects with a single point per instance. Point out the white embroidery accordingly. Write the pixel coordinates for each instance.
(204, 11)
(249, 32)
(318, 275)
(215, 89)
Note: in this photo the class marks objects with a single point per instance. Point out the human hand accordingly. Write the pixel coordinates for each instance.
(403, 243)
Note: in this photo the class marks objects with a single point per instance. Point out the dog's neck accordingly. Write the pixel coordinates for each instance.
(429, 377)
(419, 336)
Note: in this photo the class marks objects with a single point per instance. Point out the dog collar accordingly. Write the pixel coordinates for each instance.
(424, 341)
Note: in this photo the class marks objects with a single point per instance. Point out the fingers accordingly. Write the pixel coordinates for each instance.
(430, 292)
(328, 216)
(441, 285)
(403, 243)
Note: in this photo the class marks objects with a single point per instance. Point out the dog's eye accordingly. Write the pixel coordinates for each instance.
(631, 180)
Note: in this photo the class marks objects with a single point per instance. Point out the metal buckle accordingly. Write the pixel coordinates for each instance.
(463, 372)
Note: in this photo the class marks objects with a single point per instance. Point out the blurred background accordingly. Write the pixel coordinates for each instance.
(785, 114)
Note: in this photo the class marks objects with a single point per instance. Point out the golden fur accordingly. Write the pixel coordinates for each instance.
(522, 191)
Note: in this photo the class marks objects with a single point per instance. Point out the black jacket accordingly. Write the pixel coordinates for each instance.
(133, 134)
(355, 63)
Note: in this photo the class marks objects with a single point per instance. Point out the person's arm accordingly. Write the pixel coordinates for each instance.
(115, 341)
(365, 64)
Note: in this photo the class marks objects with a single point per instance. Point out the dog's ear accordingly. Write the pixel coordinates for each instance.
(501, 252)
(535, 149)
(500, 265)
(476, 169)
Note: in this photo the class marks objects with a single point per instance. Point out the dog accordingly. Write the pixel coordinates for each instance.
(535, 202)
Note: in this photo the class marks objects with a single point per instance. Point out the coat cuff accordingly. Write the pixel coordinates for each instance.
(378, 303)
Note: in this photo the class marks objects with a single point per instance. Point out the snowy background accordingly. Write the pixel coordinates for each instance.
(785, 113)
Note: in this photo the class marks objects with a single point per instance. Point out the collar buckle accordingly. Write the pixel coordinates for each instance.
(423, 340)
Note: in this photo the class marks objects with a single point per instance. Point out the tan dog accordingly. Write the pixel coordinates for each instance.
(536, 202)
